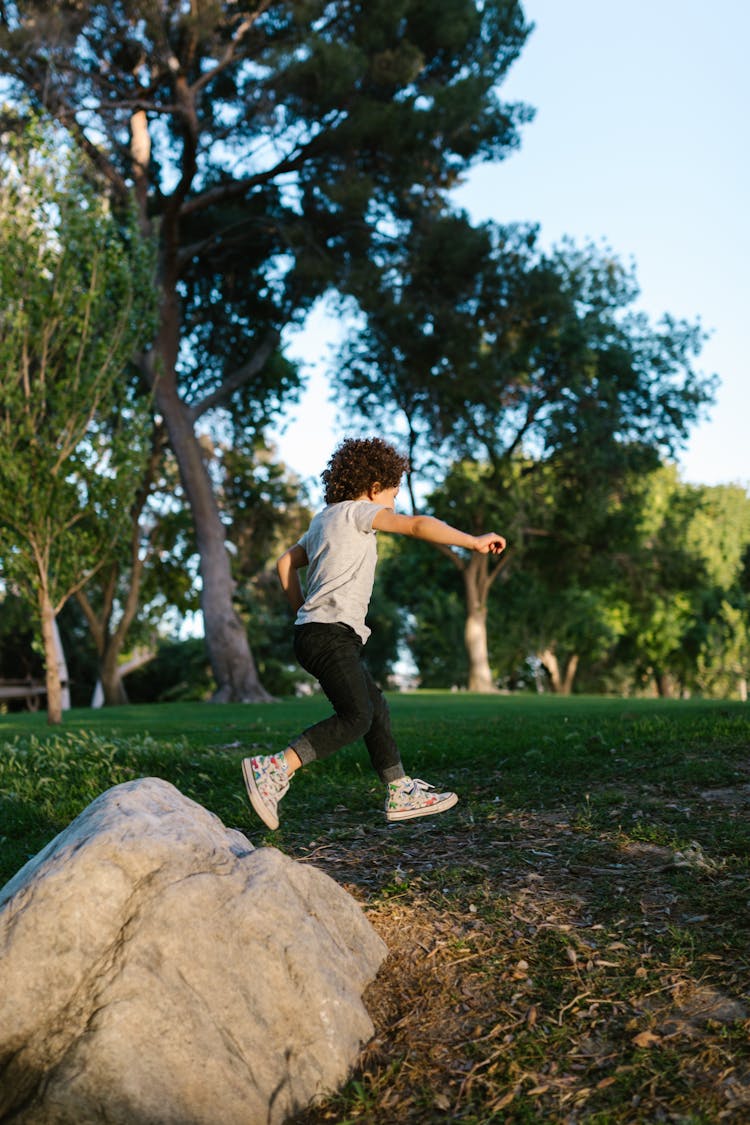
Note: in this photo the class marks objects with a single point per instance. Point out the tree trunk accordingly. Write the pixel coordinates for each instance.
(475, 635)
(111, 692)
(51, 667)
(229, 652)
(570, 673)
(110, 675)
(664, 685)
(561, 681)
(62, 667)
(476, 584)
(550, 662)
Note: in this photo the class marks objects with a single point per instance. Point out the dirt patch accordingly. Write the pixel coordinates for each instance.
(541, 973)
(736, 796)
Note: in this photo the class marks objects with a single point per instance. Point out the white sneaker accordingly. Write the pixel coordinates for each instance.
(266, 781)
(409, 797)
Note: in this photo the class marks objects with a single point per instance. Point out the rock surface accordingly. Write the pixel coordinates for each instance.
(156, 968)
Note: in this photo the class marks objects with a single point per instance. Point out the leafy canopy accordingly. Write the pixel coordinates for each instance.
(75, 293)
(277, 146)
(489, 348)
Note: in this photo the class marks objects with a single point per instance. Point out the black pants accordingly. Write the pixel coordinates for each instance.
(333, 654)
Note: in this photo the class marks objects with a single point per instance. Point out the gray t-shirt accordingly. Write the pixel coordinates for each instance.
(341, 549)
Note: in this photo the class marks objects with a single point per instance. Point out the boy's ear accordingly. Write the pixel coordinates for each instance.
(374, 488)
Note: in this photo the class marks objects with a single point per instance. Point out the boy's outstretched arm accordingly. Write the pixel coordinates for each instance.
(435, 531)
(288, 568)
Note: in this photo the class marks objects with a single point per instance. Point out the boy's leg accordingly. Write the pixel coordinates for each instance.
(332, 653)
(379, 740)
(406, 797)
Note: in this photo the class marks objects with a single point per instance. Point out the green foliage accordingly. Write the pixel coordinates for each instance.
(644, 585)
(724, 656)
(295, 138)
(75, 291)
(179, 672)
(719, 533)
(684, 574)
(488, 348)
(657, 559)
(264, 505)
(414, 577)
(18, 660)
(385, 616)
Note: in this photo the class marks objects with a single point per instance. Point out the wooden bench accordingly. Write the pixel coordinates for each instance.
(30, 690)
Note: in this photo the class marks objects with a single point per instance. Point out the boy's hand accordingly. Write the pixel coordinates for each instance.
(490, 544)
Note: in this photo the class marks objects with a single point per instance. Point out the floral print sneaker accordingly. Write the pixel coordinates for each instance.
(409, 797)
(266, 781)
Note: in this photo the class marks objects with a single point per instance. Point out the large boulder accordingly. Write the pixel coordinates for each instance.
(156, 968)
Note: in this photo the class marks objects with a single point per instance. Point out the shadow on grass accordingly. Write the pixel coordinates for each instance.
(545, 969)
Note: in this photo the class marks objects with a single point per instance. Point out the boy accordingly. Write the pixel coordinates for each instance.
(339, 550)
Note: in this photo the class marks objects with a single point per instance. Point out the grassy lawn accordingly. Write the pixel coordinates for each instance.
(570, 944)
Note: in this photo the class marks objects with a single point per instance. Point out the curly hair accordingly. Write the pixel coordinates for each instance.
(359, 463)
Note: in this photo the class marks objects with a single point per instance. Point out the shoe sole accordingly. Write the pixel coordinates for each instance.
(426, 810)
(260, 806)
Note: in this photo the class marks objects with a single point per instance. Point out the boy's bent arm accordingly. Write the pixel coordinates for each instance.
(436, 531)
(287, 569)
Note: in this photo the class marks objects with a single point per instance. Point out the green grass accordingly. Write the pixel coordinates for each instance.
(547, 938)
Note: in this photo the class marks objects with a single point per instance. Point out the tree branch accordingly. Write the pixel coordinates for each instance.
(94, 624)
(223, 192)
(449, 553)
(500, 567)
(62, 112)
(132, 598)
(231, 50)
(237, 379)
(226, 236)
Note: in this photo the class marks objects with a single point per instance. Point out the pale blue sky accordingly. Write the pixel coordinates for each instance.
(640, 141)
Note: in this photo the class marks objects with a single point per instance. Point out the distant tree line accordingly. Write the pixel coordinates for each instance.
(650, 594)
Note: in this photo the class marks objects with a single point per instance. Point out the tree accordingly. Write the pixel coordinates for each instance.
(486, 349)
(468, 498)
(685, 584)
(432, 609)
(721, 534)
(150, 574)
(18, 660)
(75, 291)
(724, 659)
(643, 587)
(275, 149)
(266, 509)
(642, 591)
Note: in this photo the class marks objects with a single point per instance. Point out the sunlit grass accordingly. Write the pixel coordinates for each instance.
(523, 751)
